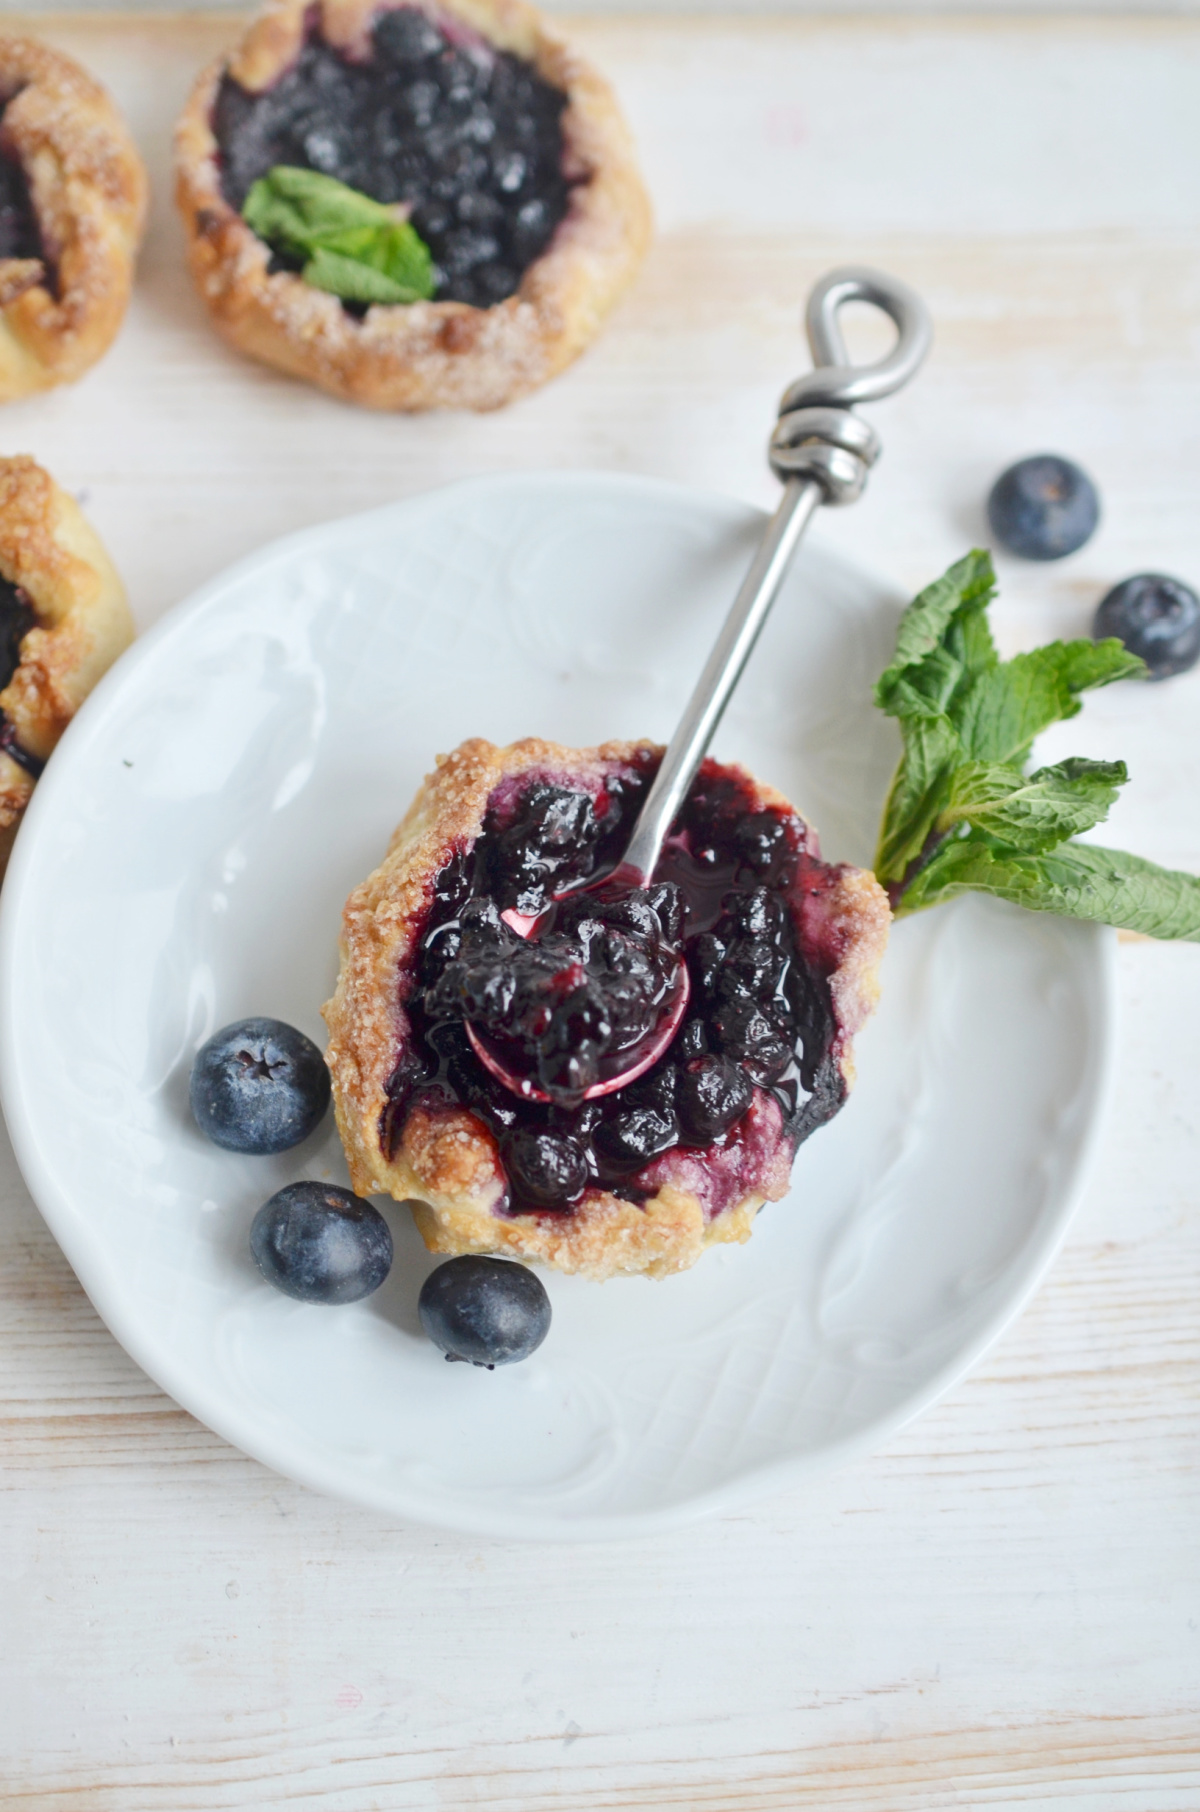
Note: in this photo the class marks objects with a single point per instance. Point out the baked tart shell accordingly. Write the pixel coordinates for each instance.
(82, 623)
(421, 355)
(89, 192)
(446, 1163)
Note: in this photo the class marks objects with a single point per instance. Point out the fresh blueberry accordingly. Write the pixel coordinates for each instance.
(319, 1243)
(486, 1311)
(1156, 617)
(1043, 507)
(711, 1096)
(259, 1086)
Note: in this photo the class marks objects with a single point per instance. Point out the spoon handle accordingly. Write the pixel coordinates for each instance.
(822, 452)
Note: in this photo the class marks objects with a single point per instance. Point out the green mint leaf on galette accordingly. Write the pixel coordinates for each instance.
(352, 246)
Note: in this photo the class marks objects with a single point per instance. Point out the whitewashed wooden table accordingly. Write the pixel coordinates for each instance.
(1004, 1607)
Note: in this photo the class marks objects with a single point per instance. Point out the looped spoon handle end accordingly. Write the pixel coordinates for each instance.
(823, 452)
(821, 461)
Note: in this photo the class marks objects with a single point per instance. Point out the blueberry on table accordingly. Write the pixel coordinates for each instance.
(259, 1086)
(1157, 618)
(1043, 507)
(485, 1311)
(319, 1243)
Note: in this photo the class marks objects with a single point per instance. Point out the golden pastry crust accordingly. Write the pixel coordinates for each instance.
(89, 192)
(422, 355)
(446, 1164)
(82, 623)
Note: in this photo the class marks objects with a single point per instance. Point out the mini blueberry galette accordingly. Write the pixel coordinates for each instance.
(782, 952)
(72, 207)
(63, 622)
(413, 206)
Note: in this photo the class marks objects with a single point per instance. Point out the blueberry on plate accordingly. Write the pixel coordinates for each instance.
(1043, 507)
(259, 1086)
(487, 1311)
(1156, 617)
(319, 1243)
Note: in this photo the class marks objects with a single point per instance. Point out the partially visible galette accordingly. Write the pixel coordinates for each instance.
(63, 622)
(782, 952)
(73, 198)
(491, 211)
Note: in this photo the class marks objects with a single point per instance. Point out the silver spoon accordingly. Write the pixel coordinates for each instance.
(822, 451)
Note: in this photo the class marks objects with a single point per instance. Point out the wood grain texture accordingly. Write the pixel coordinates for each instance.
(1002, 1609)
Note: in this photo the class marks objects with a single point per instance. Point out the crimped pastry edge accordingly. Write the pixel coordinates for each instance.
(422, 355)
(89, 190)
(448, 1166)
(48, 548)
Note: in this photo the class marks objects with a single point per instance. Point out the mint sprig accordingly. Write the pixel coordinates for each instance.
(352, 246)
(964, 814)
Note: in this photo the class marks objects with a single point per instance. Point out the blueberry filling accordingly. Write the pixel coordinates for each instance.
(17, 618)
(759, 1015)
(468, 136)
(570, 1008)
(20, 234)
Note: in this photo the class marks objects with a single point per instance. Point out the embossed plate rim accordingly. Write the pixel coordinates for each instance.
(67, 1216)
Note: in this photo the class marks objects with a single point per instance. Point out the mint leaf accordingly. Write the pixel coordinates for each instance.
(1035, 814)
(1079, 880)
(297, 208)
(388, 273)
(918, 794)
(1007, 706)
(353, 247)
(961, 708)
(942, 646)
(962, 814)
(958, 600)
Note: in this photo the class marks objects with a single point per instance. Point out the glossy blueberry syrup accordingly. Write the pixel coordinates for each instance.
(754, 1064)
(469, 136)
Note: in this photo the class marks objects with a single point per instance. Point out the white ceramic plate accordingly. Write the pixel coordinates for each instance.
(184, 863)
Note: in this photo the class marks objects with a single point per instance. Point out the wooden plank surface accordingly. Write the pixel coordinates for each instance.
(1003, 1608)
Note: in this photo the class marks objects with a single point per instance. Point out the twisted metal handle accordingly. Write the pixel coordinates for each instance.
(823, 452)
(835, 380)
(816, 435)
